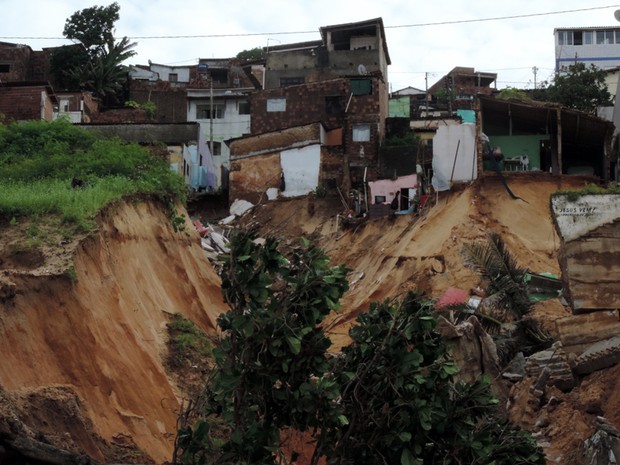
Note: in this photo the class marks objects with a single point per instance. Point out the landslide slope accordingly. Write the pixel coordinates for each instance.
(82, 352)
(389, 256)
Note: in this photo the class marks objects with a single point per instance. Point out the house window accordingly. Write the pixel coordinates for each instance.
(333, 105)
(588, 37)
(361, 132)
(204, 111)
(244, 108)
(217, 148)
(380, 199)
(276, 104)
(173, 77)
(578, 37)
(291, 81)
(605, 37)
(565, 38)
(361, 86)
(5, 68)
(219, 76)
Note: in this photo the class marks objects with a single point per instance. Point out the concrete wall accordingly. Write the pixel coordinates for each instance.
(589, 229)
(149, 133)
(454, 155)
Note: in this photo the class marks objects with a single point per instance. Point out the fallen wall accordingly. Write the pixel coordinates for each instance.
(589, 256)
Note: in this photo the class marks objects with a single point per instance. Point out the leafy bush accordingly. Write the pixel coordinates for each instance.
(390, 397)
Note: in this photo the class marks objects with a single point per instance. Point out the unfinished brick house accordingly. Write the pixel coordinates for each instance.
(355, 105)
(458, 89)
(289, 162)
(21, 101)
(340, 81)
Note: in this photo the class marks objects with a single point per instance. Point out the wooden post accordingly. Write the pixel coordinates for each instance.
(559, 136)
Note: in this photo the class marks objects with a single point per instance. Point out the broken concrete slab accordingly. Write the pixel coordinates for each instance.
(556, 361)
(578, 332)
(239, 207)
(602, 354)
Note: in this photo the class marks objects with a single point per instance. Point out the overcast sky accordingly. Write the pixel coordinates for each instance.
(418, 48)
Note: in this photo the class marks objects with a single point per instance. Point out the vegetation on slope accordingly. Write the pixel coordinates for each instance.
(58, 168)
(389, 397)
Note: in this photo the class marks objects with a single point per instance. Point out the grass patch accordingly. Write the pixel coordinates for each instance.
(588, 189)
(188, 345)
(39, 160)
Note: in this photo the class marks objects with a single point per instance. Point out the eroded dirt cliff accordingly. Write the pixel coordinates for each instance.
(89, 345)
(83, 352)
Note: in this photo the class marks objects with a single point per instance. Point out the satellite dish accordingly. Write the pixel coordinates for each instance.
(617, 15)
(361, 69)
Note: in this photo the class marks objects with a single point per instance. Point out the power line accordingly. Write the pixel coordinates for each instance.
(250, 34)
(498, 18)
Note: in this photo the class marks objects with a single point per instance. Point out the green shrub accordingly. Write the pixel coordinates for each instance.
(186, 342)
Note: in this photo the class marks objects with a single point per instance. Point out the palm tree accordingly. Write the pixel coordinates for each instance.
(505, 311)
(500, 268)
(104, 73)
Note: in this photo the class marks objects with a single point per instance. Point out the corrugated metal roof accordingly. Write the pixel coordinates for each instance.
(589, 28)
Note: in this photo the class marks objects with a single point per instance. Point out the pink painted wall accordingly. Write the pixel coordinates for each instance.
(389, 187)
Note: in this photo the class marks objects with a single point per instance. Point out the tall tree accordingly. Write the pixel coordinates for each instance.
(96, 63)
(581, 88)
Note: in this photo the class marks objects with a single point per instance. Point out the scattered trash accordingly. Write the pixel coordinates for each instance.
(240, 207)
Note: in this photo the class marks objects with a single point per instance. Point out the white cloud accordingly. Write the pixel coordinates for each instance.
(510, 47)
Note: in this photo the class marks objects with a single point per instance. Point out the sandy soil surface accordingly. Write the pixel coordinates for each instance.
(93, 338)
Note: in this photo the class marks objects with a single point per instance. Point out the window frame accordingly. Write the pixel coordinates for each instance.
(286, 81)
(276, 105)
(219, 111)
(359, 131)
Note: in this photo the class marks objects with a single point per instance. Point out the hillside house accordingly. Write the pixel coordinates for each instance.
(358, 48)
(21, 101)
(537, 136)
(213, 93)
(459, 88)
(588, 45)
(340, 81)
(288, 162)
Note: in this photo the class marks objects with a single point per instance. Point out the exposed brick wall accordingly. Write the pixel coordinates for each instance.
(24, 103)
(170, 99)
(308, 103)
(251, 177)
(17, 57)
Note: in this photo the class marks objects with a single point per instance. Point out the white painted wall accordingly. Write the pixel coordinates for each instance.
(587, 213)
(301, 170)
(450, 165)
(232, 125)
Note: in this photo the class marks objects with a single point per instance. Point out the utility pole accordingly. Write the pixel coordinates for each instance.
(535, 70)
(211, 114)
